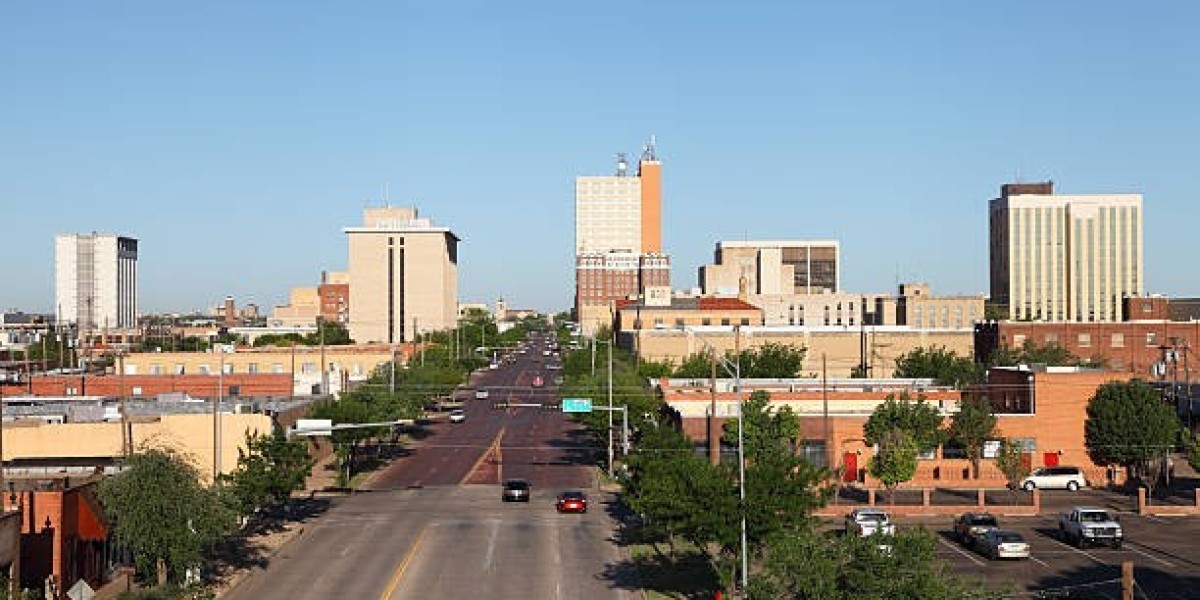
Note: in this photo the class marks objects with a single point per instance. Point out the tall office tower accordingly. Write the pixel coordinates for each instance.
(1064, 258)
(618, 237)
(95, 281)
(403, 276)
(789, 267)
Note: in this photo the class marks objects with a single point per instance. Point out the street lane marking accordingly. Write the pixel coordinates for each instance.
(495, 445)
(1165, 563)
(960, 551)
(487, 559)
(1035, 559)
(395, 581)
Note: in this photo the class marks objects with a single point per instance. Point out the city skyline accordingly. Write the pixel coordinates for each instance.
(198, 130)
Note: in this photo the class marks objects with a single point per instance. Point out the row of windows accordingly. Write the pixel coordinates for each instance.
(681, 322)
(250, 369)
(1084, 340)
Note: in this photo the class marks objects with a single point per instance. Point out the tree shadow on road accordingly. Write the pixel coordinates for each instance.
(1103, 582)
(653, 565)
(261, 537)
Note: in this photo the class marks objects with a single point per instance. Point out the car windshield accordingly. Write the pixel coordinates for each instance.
(572, 496)
(1009, 537)
(516, 485)
(1094, 517)
(987, 520)
(872, 517)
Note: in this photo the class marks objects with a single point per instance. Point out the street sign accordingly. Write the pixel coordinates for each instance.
(577, 405)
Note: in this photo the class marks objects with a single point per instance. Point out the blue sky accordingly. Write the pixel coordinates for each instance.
(236, 139)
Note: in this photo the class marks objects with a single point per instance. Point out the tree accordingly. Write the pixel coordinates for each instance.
(919, 419)
(1011, 461)
(331, 333)
(940, 364)
(162, 513)
(807, 566)
(695, 366)
(972, 426)
(269, 469)
(1128, 424)
(1051, 354)
(896, 460)
(772, 361)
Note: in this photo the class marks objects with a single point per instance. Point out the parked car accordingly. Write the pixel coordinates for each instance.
(998, 543)
(866, 521)
(571, 501)
(516, 490)
(970, 527)
(481, 394)
(1064, 478)
(1084, 525)
(457, 416)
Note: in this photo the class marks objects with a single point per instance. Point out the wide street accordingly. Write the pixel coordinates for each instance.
(432, 525)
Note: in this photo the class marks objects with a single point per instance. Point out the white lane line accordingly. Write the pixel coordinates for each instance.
(960, 551)
(1035, 559)
(1165, 563)
(1080, 551)
(487, 559)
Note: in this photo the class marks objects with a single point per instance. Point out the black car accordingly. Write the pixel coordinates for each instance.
(516, 490)
(971, 527)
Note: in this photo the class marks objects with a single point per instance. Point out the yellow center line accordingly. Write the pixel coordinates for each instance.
(395, 581)
(495, 445)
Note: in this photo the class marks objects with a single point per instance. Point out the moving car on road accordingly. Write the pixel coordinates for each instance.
(998, 543)
(481, 394)
(516, 490)
(1063, 478)
(971, 527)
(457, 416)
(538, 381)
(571, 501)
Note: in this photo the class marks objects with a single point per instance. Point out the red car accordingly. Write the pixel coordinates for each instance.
(573, 501)
(538, 381)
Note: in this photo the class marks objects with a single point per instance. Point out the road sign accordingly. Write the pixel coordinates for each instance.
(577, 405)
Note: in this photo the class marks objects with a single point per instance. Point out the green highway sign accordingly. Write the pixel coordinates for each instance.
(577, 405)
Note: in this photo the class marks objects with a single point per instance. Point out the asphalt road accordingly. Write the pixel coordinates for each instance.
(432, 524)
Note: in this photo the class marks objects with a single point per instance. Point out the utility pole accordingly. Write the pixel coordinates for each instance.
(610, 407)
(217, 419)
(1127, 581)
(126, 443)
(1187, 376)
(714, 441)
(737, 350)
(825, 407)
(292, 391)
(324, 371)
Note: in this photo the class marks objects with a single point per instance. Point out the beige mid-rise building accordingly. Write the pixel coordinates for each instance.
(772, 268)
(1062, 257)
(403, 274)
(303, 307)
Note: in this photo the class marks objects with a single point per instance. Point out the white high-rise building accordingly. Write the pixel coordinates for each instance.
(1064, 258)
(95, 277)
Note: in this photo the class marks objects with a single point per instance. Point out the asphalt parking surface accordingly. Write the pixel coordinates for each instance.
(1163, 550)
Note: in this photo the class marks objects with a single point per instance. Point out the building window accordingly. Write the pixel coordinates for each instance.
(1085, 340)
(706, 321)
(252, 368)
(725, 322)
(308, 367)
(357, 370)
(1118, 340)
(179, 368)
(658, 322)
(203, 369)
(277, 368)
(678, 322)
(227, 368)
(1051, 338)
(137, 390)
(1018, 340)
(1151, 339)
(156, 369)
(746, 321)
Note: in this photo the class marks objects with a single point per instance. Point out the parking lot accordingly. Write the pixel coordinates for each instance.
(1164, 552)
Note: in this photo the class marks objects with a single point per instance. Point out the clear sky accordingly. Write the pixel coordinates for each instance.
(237, 139)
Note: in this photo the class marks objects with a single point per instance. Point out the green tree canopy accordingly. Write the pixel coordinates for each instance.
(1128, 424)
(162, 513)
(1052, 354)
(896, 460)
(971, 426)
(940, 364)
(919, 418)
(269, 469)
(1011, 462)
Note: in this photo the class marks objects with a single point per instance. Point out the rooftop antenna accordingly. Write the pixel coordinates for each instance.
(648, 150)
(622, 165)
(387, 195)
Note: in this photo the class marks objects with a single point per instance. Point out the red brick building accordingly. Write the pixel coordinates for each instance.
(63, 533)
(150, 386)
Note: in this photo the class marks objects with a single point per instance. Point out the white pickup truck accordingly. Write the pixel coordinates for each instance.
(1082, 526)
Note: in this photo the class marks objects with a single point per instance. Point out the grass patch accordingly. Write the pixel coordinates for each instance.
(685, 575)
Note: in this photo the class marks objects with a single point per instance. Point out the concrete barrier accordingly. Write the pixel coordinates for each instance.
(1145, 508)
(927, 508)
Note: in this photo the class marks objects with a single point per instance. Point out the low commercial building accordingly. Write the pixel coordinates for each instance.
(1044, 410)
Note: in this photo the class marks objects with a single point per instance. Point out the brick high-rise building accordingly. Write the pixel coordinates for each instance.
(1064, 258)
(618, 238)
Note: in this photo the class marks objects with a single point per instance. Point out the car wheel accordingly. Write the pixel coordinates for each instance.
(1073, 486)
(1080, 542)
(1029, 485)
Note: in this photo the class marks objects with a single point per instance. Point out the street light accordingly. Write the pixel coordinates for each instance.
(736, 373)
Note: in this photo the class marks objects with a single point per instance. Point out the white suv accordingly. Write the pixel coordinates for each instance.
(1065, 478)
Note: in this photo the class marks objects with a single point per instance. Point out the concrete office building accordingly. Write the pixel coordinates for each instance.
(95, 278)
(403, 276)
(772, 267)
(1062, 257)
(618, 238)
